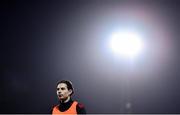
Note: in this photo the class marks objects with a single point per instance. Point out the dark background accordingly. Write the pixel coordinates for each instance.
(46, 41)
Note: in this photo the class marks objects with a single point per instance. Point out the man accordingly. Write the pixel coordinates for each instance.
(66, 104)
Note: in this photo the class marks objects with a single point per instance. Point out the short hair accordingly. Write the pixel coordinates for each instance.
(68, 83)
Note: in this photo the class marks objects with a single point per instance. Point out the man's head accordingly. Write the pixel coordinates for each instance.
(64, 89)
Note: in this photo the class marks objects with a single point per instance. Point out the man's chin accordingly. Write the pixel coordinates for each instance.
(62, 99)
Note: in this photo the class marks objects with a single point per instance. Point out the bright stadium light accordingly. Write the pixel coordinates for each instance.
(126, 43)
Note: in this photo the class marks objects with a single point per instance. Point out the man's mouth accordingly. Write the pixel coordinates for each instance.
(60, 95)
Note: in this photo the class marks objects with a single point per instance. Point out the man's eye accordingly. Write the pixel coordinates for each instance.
(57, 88)
(62, 88)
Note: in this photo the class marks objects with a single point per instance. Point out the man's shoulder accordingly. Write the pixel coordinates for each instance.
(80, 108)
(80, 105)
(55, 106)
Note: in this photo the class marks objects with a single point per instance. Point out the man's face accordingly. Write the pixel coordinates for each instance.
(62, 91)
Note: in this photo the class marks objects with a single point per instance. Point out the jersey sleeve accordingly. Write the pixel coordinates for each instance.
(80, 109)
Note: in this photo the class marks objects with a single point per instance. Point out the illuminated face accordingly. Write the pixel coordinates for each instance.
(62, 91)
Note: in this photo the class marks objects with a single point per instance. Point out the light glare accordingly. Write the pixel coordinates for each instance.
(126, 43)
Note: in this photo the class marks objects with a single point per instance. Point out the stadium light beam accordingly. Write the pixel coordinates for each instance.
(126, 43)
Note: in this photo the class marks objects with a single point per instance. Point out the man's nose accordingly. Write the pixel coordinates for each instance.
(59, 92)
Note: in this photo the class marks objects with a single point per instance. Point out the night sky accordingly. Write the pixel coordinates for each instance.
(46, 41)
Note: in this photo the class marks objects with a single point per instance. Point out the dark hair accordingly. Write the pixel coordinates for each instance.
(68, 83)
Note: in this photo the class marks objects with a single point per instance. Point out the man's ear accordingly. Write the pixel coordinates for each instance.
(70, 91)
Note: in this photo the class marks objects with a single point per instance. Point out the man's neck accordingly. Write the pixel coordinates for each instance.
(66, 100)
